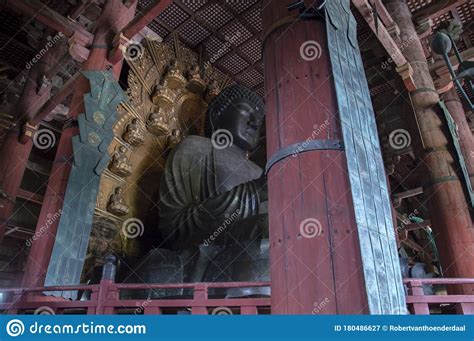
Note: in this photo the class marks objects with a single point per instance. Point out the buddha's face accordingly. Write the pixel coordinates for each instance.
(243, 121)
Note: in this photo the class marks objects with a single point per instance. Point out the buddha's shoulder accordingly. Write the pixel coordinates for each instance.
(194, 140)
(193, 143)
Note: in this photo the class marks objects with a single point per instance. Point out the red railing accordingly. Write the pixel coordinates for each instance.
(105, 299)
(421, 304)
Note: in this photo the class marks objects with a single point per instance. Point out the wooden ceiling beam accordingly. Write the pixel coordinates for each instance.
(50, 18)
(54, 101)
(143, 19)
(381, 32)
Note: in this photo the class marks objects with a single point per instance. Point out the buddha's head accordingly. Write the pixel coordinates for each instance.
(241, 112)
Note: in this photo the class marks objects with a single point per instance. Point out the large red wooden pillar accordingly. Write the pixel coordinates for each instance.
(466, 140)
(13, 159)
(14, 153)
(315, 259)
(449, 208)
(113, 18)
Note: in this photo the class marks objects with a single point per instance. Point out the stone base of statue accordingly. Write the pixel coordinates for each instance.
(246, 261)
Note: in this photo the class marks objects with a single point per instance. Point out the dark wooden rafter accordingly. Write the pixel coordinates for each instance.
(51, 18)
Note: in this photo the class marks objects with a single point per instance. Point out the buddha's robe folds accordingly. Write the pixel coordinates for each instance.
(205, 191)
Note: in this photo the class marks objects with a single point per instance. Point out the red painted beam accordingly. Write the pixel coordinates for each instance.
(150, 13)
(135, 26)
(30, 196)
(54, 101)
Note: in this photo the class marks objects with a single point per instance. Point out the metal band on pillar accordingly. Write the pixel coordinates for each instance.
(301, 147)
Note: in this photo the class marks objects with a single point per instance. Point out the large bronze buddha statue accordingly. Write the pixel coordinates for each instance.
(211, 203)
(210, 180)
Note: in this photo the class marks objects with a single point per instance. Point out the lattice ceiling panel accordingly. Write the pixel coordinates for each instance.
(466, 12)
(252, 50)
(442, 18)
(254, 18)
(236, 33)
(240, 6)
(415, 5)
(228, 30)
(194, 5)
(215, 15)
(193, 33)
(234, 63)
(173, 16)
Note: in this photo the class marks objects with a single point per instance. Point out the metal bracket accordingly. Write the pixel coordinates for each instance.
(310, 13)
(302, 147)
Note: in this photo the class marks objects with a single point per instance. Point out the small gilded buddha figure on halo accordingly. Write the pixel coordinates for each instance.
(117, 203)
(120, 164)
(134, 133)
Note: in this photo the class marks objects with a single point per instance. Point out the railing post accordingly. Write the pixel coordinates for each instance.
(199, 296)
(417, 291)
(465, 308)
(16, 300)
(106, 284)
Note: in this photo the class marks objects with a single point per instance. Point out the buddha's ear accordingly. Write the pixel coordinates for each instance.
(214, 115)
